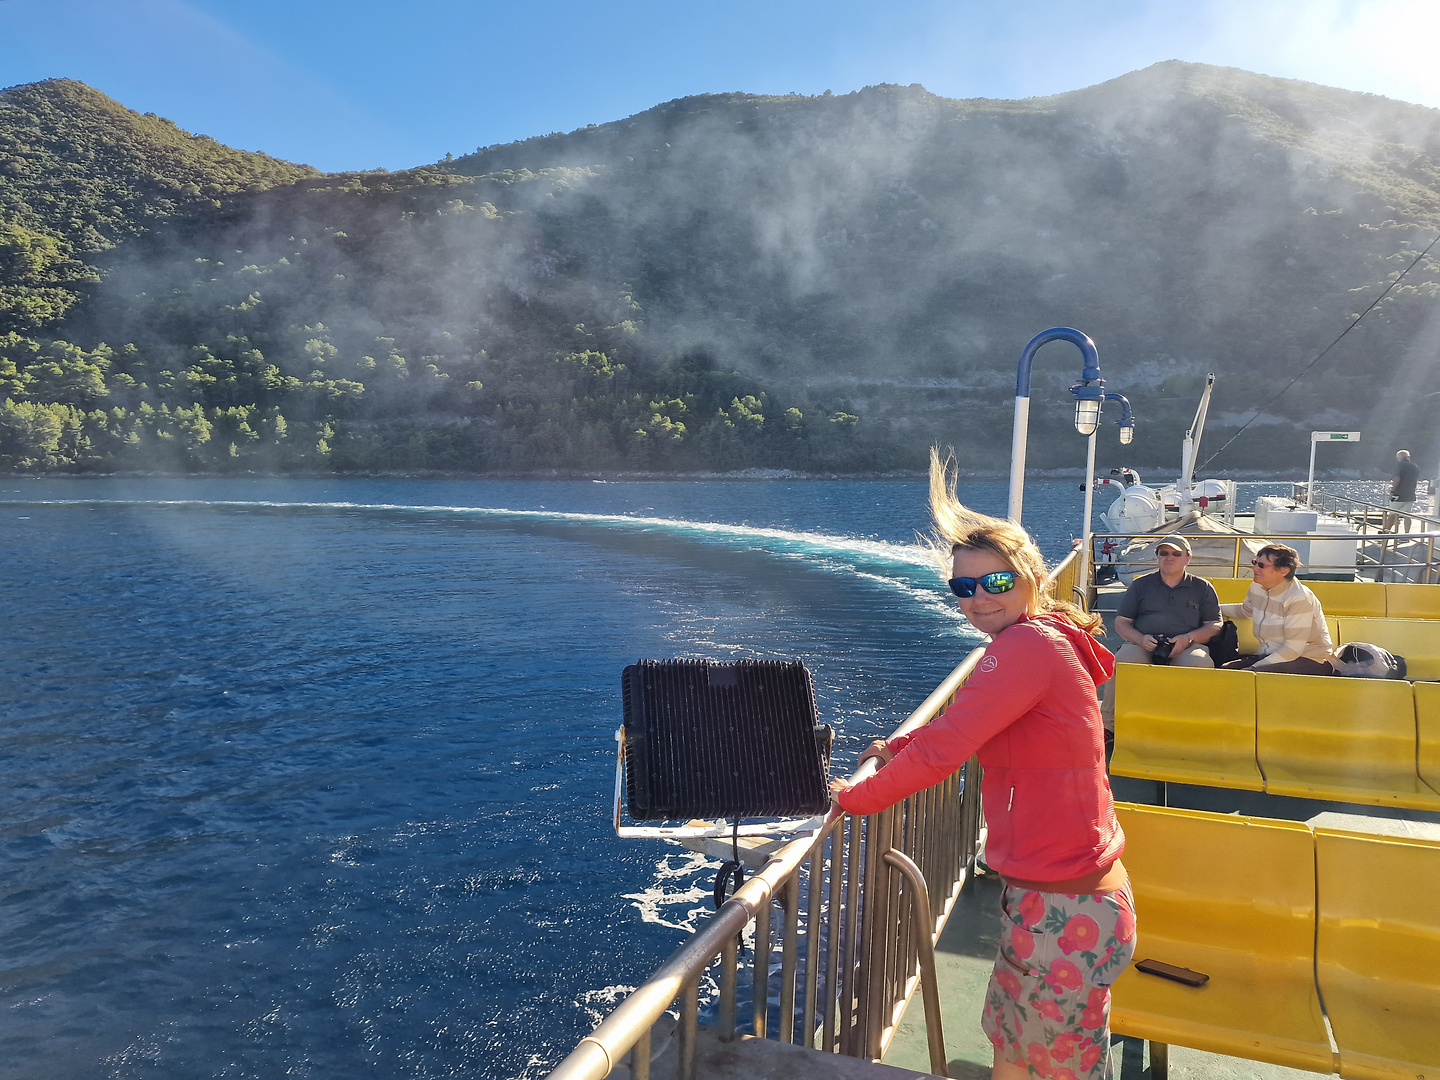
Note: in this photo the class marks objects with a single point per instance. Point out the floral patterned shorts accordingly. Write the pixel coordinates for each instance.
(1048, 1003)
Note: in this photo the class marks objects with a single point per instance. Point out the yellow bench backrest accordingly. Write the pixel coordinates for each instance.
(1354, 599)
(1412, 601)
(1188, 725)
(1263, 884)
(1427, 722)
(1232, 897)
(1230, 590)
(1378, 951)
(1415, 639)
(1331, 738)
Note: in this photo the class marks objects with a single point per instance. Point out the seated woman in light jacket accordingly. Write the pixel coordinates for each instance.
(1287, 618)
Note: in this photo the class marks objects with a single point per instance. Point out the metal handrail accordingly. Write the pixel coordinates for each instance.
(1389, 543)
(1327, 499)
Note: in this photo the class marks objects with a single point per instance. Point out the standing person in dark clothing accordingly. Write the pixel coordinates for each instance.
(1402, 492)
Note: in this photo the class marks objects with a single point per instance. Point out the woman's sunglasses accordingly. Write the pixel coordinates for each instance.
(998, 582)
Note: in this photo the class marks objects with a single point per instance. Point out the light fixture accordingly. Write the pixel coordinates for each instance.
(1088, 398)
(1127, 418)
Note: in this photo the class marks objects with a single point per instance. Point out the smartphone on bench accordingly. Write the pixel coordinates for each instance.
(1170, 971)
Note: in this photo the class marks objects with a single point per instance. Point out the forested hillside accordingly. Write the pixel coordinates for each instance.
(825, 284)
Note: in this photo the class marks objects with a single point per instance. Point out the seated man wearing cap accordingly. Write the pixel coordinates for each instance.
(1168, 603)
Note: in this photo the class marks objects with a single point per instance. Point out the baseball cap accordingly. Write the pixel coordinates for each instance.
(1174, 540)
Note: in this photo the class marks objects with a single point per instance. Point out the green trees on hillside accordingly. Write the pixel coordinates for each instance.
(720, 283)
(227, 408)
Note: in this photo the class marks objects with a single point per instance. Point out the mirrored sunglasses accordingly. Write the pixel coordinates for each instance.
(998, 582)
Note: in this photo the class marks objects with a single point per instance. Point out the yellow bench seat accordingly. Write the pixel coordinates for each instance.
(1232, 897)
(1378, 952)
(1351, 740)
(1186, 725)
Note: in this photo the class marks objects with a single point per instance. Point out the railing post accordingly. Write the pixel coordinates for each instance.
(814, 885)
(852, 988)
(640, 1057)
(835, 999)
(789, 951)
(729, 963)
(876, 915)
(689, 1026)
(760, 971)
(924, 924)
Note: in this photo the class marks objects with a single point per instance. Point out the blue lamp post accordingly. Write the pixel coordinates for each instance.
(1127, 418)
(1089, 395)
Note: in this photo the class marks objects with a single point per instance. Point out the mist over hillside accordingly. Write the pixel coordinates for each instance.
(731, 281)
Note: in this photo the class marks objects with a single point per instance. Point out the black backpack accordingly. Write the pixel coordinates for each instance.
(1225, 646)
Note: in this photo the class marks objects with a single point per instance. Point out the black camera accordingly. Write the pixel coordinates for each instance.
(1164, 646)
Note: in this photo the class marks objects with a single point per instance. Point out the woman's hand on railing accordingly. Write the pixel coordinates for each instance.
(880, 751)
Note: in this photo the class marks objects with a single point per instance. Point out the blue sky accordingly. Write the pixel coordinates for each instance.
(359, 84)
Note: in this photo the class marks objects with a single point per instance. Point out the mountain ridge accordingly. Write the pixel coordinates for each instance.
(753, 281)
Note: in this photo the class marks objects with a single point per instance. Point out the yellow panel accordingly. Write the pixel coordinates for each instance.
(1365, 599)
(1245, 639)
(1417, 640)
(1231, 590)
(1378, 952)
(1359, 599)
(1232, 897)
(1412, 601)
(1346, 739)
(1427, 720)
(1188, 725)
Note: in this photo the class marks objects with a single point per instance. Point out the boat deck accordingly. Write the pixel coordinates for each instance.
(963, 959)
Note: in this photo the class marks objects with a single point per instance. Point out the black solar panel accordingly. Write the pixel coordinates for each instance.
(705, 740)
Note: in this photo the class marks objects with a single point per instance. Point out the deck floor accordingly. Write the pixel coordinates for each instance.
(963, 959)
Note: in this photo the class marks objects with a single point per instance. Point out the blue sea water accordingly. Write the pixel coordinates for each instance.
(313, 778)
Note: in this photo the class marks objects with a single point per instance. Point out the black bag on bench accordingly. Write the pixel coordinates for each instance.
(1225, 646)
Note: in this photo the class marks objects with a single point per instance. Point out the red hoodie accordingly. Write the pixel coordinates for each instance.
(1030, 711)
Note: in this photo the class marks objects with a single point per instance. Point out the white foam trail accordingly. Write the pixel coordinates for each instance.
(847, 554)
(657, 896)
(879, 550)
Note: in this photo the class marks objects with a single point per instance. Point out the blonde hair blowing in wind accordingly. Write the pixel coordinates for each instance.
(957, 527)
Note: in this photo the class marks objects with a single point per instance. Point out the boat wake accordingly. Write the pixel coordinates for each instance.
(908, 568)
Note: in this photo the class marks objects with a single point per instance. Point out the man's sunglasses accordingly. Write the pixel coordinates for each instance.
(998, 582)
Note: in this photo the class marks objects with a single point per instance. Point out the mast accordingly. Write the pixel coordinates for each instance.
(1190, 448)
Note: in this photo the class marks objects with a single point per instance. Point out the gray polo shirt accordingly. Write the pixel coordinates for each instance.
(1156, 608)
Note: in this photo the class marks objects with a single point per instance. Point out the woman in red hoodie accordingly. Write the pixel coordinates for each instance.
(1031, 713)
